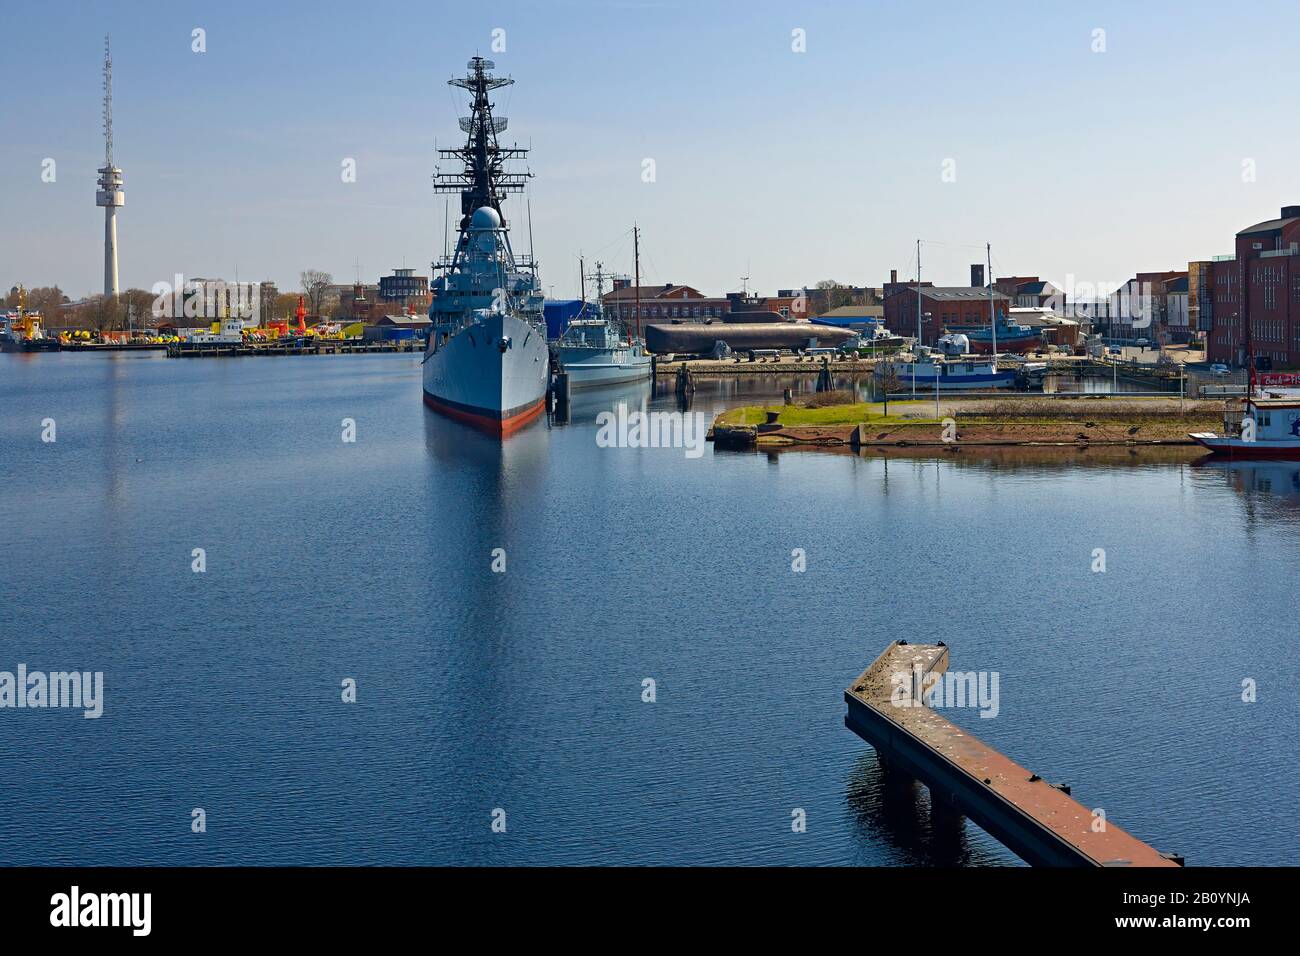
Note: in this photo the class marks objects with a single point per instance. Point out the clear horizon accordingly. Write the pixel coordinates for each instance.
(786, 167)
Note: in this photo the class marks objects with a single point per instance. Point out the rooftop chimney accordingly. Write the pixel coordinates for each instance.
(977, 275)
(1289, 212)
(893, 276)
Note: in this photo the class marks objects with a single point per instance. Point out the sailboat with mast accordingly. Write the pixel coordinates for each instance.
(487, 362)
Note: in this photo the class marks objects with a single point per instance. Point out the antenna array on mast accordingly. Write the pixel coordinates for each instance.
(108, 104)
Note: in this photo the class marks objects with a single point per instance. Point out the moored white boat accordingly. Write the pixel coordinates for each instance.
(1270, 428)
(595, 349)
(951, 375)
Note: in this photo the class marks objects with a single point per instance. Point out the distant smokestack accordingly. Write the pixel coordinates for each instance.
(977, 275)
(893, 275)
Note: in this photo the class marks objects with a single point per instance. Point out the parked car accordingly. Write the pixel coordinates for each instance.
(1143, 343)
(1218, 368)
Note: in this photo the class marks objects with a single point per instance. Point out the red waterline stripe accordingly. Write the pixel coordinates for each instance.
(485, 420)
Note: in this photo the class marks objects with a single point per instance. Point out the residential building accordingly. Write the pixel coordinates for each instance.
(405, 288)
(1027, 292)
(1257, 295)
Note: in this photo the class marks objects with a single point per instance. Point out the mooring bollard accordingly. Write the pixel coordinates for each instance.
(560, 394)
(824, 382)
(685, 381)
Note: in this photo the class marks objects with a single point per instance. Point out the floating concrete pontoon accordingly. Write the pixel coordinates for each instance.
(1037, 821)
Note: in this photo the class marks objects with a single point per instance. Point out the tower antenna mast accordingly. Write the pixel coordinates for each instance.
(110, 194)
(108, 104)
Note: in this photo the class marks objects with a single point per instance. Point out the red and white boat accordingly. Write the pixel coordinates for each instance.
(1270, 428)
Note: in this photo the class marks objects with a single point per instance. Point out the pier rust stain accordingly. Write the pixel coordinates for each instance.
(997, 773)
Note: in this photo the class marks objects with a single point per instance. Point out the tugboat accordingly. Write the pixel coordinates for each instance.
(487, 362)
(596, 350)
(22, 330)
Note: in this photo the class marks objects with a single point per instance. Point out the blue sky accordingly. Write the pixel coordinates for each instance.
(786, 167)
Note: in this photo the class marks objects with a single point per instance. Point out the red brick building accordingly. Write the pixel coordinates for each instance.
(663, 303)
(941, 306)
(1262, 284)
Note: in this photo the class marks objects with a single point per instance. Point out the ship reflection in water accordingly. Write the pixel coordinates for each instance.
(1270, 489)
(522, 689)
(456, 443)
(587, 404)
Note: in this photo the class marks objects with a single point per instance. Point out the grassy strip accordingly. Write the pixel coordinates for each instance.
(829, 416)
(1001, 413)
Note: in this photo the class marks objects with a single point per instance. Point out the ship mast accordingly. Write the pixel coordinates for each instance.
(600, 289)
(1243, 279)
(993, 319)
(916, 352)
(636, 256)
(483, 179)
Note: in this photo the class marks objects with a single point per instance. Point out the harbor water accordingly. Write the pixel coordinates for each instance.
(520, 693)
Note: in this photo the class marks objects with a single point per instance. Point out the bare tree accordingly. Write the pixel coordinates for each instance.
(315, 286)
(284, 306)
(831, 295)
(103, 312)
(888, 382)
(137, 308)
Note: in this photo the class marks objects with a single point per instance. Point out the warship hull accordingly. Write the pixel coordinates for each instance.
(491, 374)
(590, 373)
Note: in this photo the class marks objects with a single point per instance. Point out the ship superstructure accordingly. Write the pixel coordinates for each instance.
(487, 361)
(596, 349)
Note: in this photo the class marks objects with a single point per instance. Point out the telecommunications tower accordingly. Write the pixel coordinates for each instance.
(110, 194)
